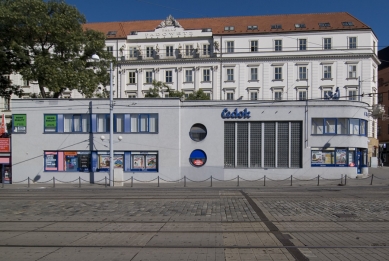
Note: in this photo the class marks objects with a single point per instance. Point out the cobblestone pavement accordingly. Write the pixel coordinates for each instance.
(266, 223)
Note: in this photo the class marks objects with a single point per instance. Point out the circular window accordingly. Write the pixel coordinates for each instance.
(198, 158)
(198, 132)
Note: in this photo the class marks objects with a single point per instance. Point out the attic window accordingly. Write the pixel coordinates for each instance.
(324, 25)
(347, 23)
(229, 28)
(252, 27)
(206, 30)
(133, 33)
(276, 26)
(299, 25)
(111, 33)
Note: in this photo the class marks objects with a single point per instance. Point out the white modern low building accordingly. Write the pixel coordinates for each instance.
(169, 138)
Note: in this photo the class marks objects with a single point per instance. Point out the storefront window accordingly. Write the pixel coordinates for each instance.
(68, 161)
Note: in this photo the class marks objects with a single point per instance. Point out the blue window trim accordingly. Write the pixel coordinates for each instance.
(140, 122)
(346, 165)
(106, 120)
(131, 169)
(56, 125)
(115, 116)
(348, 127)
(360, 127)
(324, 126)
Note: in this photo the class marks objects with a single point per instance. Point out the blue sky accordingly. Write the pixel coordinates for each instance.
(372, 13)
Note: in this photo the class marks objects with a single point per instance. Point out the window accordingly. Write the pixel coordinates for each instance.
(110, 49)
(50, 123)
(76, 122)
(141, 161)
(26, 82)
(327, 43)
(277, 73)
(302, 73)
(132, 96)
(169, 51)
(230, 95)
(230, 74)
(19, 123)
(352, 71)
(229, 28)
(144, 123)
(352, 95)
(102, 121)
(230, 47)
(324, 25)
(132, 52)
(149, 76)
(118, 125)
(169, 76)
(188, 76)
(254, 46)
(253, 95)
(299, 25)
(327, 72)
(354, 126)
(278, 95)
(342, 126)
(339, 126)
(131, 77)
(277, 45)
(252, 27)
(327, 93)
(302, 44)
(110, 33)
(352, 42)
(317, 126)
(198, 132)
(149, 52)
(329, 126)
(253, 74)
(206, 75)
(188, 50)
(206, 49)
(347, 23)
(276, 26)
(302, 95)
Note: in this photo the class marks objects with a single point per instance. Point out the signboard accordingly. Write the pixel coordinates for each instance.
(50, 121)
(84, 161)
(4, 145)
(235, 114)
(71, 161)
(19, 122)
(51, 161)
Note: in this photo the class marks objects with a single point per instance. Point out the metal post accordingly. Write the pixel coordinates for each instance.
(318, 180)
(211, 180)
(238, 180)
(111, 161)
(341, 179)
(158, 181)
(291, 178)
(28, 180)
(105, 181)
(264, 180)
(53, 182)
(132, 180)
(372, 176)
(79, 182)
(345, 179)
(184, 181)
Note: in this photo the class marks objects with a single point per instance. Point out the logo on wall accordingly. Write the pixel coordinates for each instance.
(235, 114)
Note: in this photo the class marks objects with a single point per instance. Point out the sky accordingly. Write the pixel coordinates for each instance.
(374, 14)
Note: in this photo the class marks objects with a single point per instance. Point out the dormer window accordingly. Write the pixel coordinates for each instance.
(324, 25)
(252, 27)
(299, 25)
(133, 33)
(347, 23)
(206, 30)
(111, 33)
(276, 26)
(229, 28)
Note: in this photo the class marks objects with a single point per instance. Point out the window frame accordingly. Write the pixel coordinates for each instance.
(327, 74)
(132, 79)
(302, 46)
(169, 76)
(169, 51)
(327, 43)
(188, 75)
(278, 45)
(302, 73)
(230, 74)
(352, 74)
(206, 76)
(352, 44)
(230, 46)
(278, 73)
(149, 77)
(254, 75)
(253, 46)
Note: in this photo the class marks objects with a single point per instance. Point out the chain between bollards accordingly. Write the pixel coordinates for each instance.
(238, 180)
(158, 181)
(53, 182)
(291, 180)
(211, 180)
(318, 180)
(372, 176)
(184, 181)
(264, 180)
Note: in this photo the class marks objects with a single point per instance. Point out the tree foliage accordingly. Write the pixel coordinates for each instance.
(158, 87)
(47, 44)
(198, 95)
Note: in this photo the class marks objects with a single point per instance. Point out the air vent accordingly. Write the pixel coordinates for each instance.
(324, 25)
(299, 25)
(276, 26)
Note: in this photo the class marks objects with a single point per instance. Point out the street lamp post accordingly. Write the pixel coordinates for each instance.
(111, 159)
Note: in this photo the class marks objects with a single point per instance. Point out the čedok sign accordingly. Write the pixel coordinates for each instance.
(235, 114)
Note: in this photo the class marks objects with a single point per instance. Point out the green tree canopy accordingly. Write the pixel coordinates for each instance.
(198, 95)
(158, 87)
(49, 45)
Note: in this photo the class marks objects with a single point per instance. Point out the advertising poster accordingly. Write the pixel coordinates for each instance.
(351, 157)
(138, 162)
(4, 145)
(19, 122)
(151, 161)
(50, 121)
(316, 157)
(71, 161)
(84, 161)
(328, 157)
(51, 161)
(341, 156)
(118, 160)
(104, 162)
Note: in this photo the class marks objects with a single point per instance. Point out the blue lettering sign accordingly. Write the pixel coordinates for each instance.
(235, 114)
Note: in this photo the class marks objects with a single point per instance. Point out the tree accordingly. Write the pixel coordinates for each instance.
(158, 87)
(198, 95)
(53, 49)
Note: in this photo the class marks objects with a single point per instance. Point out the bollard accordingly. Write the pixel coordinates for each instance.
(79, 182)
(158, 181)
(371, 182)
(53, 182)
(264, 180)
(291, 178)
(105, 181)
(211, 180)
(238, 180)
(345, 179)
(184, 181)
(318, 180)
(341, 179)
(132, 180)
(2, 184)
(28, 181)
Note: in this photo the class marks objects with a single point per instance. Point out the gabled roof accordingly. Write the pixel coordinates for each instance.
(240, 24)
